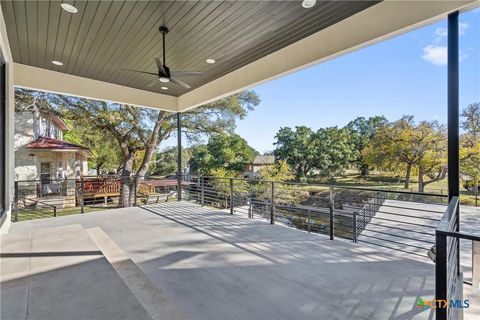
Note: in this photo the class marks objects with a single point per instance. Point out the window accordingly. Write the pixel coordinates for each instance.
(3, 122)
(45, 172)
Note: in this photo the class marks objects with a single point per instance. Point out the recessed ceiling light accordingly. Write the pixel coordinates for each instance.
(308, 3)
(211, 61)
(57, 63)
(164, 79)
(164, 88)
(69, 8)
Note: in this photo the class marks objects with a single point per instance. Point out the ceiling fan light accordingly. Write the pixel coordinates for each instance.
(210, 61)
(164, 79)
(69, 8)
(308, 3)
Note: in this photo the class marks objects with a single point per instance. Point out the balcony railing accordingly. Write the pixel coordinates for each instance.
(448, 275)
(36, 199)
(399, 220)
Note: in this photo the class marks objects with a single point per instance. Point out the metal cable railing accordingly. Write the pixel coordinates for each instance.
(403, 221)
(34, 199)
(359, 214)
(448, 275)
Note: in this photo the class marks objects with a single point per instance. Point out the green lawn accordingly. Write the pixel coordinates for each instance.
(396, 183)
(26, 214)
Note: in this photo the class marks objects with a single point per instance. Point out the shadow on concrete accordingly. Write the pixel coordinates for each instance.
(252, 270)
(50, 254)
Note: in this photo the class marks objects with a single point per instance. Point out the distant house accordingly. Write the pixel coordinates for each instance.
(41, 153)
(251, 169)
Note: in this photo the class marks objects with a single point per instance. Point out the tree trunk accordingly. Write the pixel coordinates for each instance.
(150, 145)
(299, 172)
(442, 174)
(407, 176)
(363, 170)
(125, 194)
(421, 185)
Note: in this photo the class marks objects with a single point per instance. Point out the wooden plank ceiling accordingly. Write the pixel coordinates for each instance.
(106, 36)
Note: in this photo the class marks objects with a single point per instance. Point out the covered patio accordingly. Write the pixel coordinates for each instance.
(181, 260)
(203, 263)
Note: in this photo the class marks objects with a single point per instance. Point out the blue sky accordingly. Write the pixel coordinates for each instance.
(403, 75)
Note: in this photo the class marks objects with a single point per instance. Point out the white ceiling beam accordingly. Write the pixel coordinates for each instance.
(46, 80)
(375, 24)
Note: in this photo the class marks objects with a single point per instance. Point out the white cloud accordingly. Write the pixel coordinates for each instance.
(441, 33)
(436, 55)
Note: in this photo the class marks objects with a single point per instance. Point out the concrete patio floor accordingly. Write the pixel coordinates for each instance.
(212, 265)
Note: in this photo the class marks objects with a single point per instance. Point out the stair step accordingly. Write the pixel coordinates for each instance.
(59, 273)
(154, 300)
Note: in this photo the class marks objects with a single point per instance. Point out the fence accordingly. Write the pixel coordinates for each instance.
(36, 199)
(367, 212)
(448, 275)
(399, 220)
(470, 196)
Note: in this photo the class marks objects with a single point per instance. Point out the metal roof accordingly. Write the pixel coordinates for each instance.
(45, 143)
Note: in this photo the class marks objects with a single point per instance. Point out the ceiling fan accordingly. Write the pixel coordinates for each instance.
(164, 73)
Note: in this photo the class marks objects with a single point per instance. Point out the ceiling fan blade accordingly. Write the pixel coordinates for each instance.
(158, 62)
(186, 73)
(144, 72)
(161, 68)
(180, 83)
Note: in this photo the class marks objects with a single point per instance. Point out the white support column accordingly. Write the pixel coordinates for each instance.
(9, 128)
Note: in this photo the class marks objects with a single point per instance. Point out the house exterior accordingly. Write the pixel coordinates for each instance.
(43, 157)
(251, 169)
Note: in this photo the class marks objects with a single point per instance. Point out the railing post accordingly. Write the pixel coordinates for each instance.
(354, 226)
(441, 274)
(135, 181)
(202, 179)
(332, 204)
(54, 211)
(179, 187)
(82, 195)
(16, 201)
(231, 195)
(250, 213)
(272, 206)
(309, 216)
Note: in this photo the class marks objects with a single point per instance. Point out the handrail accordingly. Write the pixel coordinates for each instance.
(461, 235)
(327, 185)
(272, 181)
(445, 221)
(447, 260)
